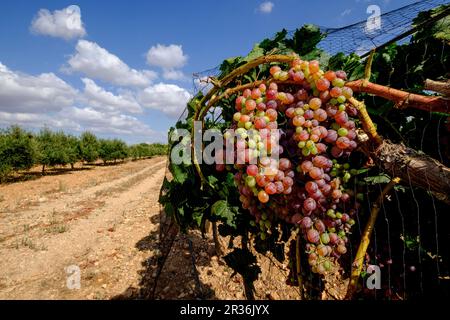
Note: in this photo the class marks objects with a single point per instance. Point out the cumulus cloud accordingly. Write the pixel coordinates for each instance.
(38, 121)
(167, 98)
(167, 57)
(174, 75)
(76, 119)
(97, 97)
(23, 93)
(97, 63)
(102, 122)
(65, 23)
(266, 7)
(170, 59)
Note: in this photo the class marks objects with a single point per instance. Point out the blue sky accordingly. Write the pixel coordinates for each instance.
(124, 68)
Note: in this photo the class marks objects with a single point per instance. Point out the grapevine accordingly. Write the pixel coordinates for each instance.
(299, 140)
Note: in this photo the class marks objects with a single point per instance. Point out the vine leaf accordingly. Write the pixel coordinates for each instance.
(305, 39)
(222, 210)
(179, 175)
(277, 42)
(256, 52)
(382, 178)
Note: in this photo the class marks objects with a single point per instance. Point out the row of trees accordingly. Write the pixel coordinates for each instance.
(21, 150)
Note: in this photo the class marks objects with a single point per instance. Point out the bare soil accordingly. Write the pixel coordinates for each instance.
(105, 221)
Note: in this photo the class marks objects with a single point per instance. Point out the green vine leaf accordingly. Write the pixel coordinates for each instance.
(222, 210)
(382, 178)
(179, 175)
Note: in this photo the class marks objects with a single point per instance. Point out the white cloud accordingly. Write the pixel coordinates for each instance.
(38, 121)
(172, 74)
(102, 122)
(25, 93)
(74, 119)
(346, 12)
(167, 57)
(266, 7)
(97, 97)
(97, 63)
(65, 23)
(167, 98)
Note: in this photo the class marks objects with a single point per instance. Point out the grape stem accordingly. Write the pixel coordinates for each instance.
(367, 122)
(368, 68)
(365, 239)
(298, 264)
(217, 244)
(401, 98)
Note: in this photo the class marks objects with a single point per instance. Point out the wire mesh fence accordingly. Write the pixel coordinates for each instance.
(359, 38)
(411, 241)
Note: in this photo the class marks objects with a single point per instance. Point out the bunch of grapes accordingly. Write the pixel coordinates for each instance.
(307, 185)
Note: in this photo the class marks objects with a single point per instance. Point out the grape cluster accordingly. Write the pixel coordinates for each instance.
(307, 185)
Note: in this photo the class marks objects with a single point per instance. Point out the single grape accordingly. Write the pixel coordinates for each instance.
(313, 236)
(263, 197)
(252, 170)
(323, 84)
(330, 75)
(316, 173)
(250, 181)
(274, 69)
(309, 204)
(342, 132)
(311, 187)
(343, 142)
(256, 93)
(319, 225)
(325, 238)
(335, 92)
(306, 222)
(341, 249)
(306, 166)
(270, 188)
(322, 250)
(315, 103)
(312, 259)
(314, 66)
(341, 74)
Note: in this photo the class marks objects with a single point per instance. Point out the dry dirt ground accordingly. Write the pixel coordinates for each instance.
(105, 221)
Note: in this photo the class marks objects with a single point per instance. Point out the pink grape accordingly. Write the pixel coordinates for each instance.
(319, 225)
(316, 173)
(306, 222)
(309, 204)
(307, 166)
(313, 236)
(341, 117)
(343, 142)
(252, 170)
(320, 161)
(270, 188)
(311, 187)
(341, 74)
